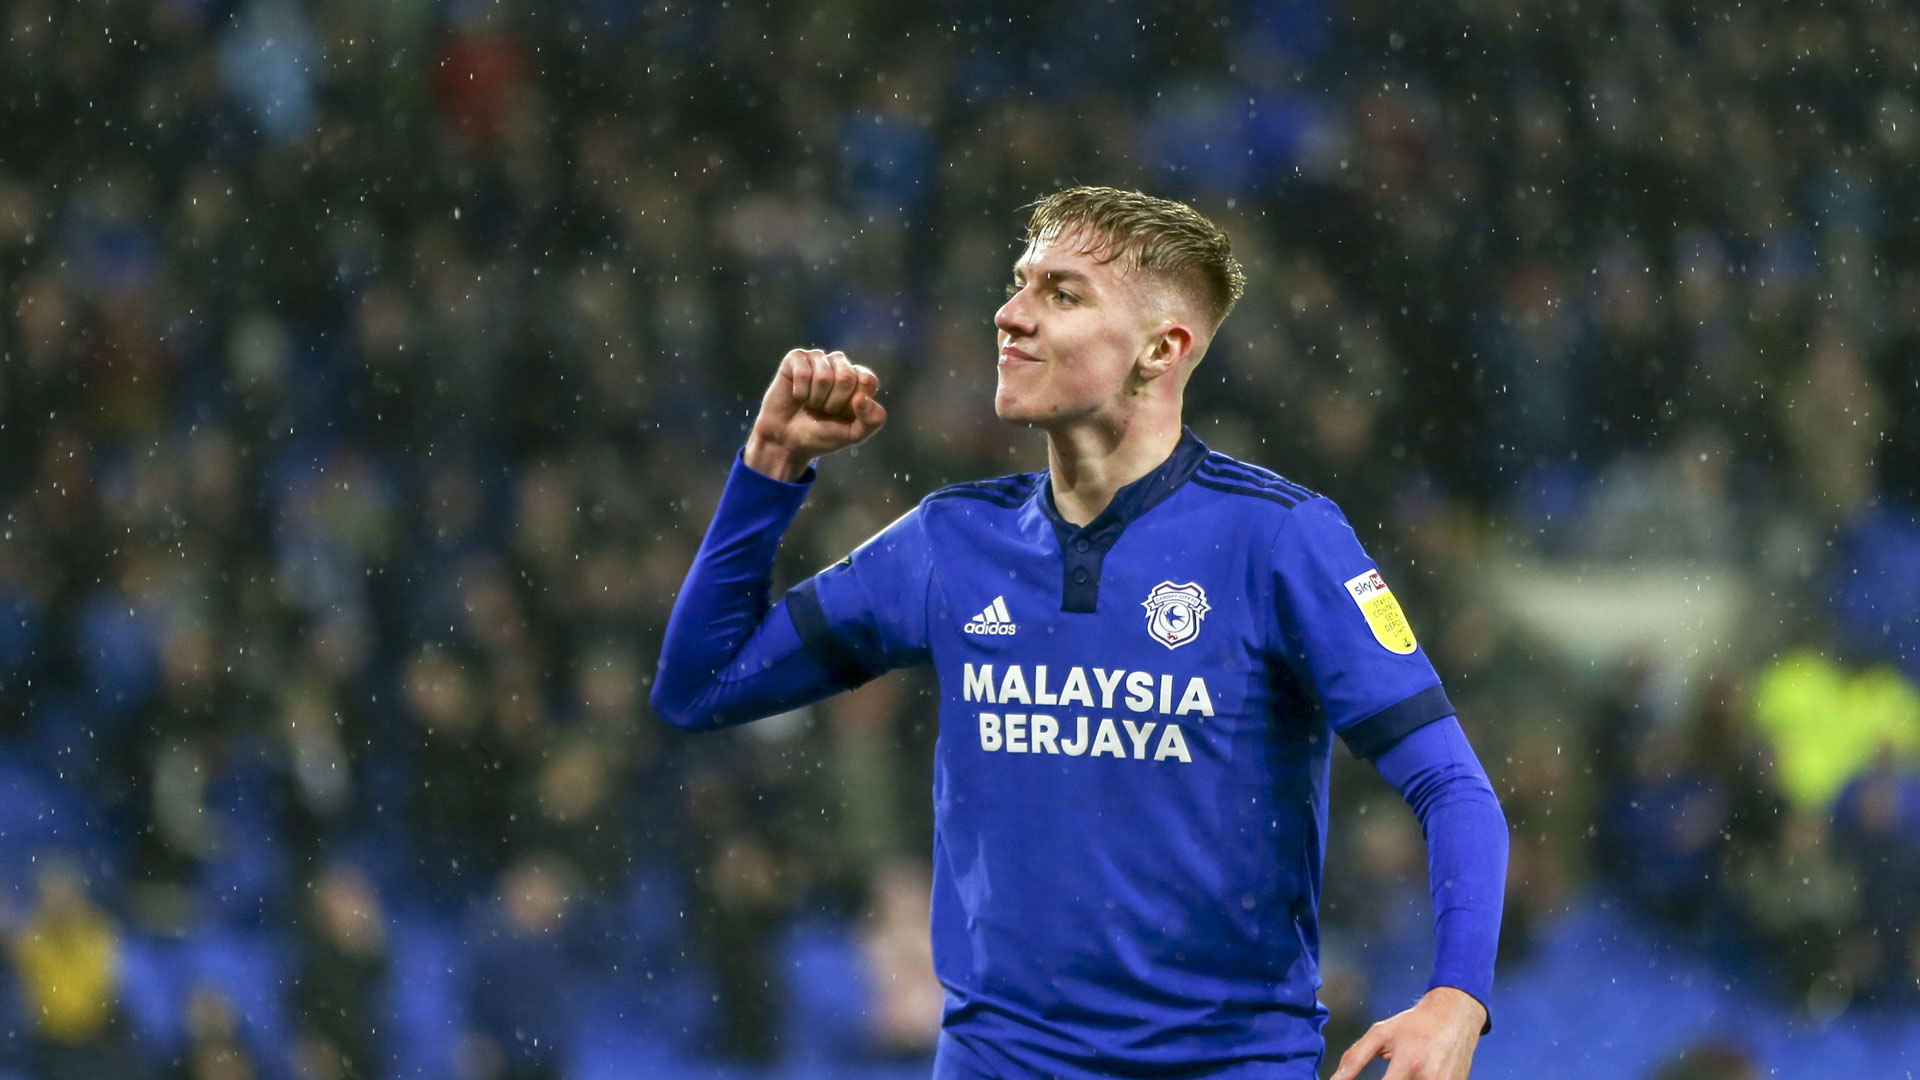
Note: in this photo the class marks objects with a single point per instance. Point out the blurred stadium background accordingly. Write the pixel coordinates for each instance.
(368, 371)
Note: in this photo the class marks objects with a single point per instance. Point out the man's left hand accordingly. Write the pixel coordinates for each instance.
(1434, 1040)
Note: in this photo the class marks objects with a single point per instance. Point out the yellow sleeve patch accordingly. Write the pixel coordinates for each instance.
(1384, 617)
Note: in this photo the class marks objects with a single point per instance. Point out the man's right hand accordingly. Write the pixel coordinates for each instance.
(818, 403)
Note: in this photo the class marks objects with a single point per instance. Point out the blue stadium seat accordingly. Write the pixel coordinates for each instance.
(42, 817)
(151, 994)
(1610, 998)
(424, 995)
(619, 1038)
(826, 1001)
(252, 969)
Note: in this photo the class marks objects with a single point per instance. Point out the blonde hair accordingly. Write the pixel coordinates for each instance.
(1156, 236)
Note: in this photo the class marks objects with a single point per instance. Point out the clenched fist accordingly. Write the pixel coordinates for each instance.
(818, 403)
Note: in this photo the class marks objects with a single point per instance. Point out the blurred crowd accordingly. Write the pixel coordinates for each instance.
(368, 372)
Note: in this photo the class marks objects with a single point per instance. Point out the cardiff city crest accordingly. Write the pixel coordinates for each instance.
(1174, 612)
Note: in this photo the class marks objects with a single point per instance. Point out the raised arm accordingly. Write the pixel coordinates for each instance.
(728, 657)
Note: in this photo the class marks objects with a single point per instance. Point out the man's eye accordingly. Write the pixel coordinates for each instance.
(1012, 288)
(1065, 297)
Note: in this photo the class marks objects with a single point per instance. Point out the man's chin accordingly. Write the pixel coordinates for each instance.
(1016, 410)
(1013, 412)
(1007, 408)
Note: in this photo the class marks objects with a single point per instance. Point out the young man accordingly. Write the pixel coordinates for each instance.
(1143, 653)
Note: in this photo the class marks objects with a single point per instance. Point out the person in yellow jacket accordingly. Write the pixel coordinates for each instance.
(1827, 721)
(67, 954)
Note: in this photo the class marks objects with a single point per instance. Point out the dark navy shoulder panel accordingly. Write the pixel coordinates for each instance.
(1004, 491)
(1223, 473)
(1228, 487)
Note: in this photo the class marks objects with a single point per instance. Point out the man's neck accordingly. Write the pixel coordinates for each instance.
(1091, 463)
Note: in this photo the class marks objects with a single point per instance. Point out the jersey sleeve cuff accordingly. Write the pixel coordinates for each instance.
(1373, 736)
(747, 478)
(841, 660)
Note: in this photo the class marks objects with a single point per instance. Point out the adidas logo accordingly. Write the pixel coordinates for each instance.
(994, 620)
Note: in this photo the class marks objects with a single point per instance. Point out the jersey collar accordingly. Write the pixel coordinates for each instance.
(1084, 548)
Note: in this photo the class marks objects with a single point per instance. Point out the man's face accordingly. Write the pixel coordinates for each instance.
(1069, 333)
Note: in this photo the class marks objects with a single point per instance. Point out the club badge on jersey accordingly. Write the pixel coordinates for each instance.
(1174, 612)
(1384, 617)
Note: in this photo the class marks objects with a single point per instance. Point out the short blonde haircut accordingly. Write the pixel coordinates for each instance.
(1161, 237)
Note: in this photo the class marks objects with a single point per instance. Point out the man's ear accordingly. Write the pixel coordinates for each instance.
(1166, 351)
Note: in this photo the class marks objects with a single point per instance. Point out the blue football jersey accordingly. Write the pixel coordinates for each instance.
(1131, 774)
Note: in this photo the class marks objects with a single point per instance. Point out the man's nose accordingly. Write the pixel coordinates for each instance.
(1013, 318)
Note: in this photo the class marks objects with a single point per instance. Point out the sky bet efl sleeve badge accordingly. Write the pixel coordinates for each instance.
(1174, 612)
(1383, 613)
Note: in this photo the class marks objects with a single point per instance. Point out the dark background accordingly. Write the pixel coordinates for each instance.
(368, 372)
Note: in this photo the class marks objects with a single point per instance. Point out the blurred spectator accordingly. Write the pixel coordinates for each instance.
(1803, 903)
(1835, 416)
(1547, 818)
(739, 894)
(315, 775)
(68, 955)
(214, 1047)
(1874, 585)
(569, 811)
(521, 989)
(459, 820)
(343, 969)
(1876, 826)
(908, 999)
(1678, 507)
(1709, 1061)
(1827, 720)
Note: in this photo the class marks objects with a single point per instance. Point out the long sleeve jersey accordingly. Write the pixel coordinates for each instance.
(1131, 774)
